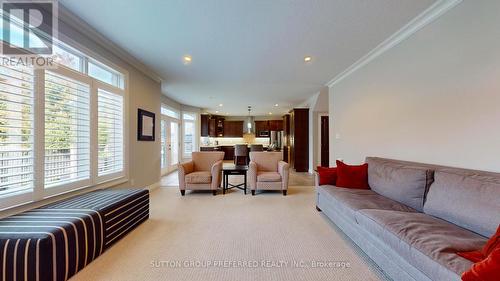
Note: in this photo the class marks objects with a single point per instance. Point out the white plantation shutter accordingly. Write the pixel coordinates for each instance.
(110, 133)
(67, 130)
(16, 130)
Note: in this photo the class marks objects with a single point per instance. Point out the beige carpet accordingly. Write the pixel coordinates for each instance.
(233, 237)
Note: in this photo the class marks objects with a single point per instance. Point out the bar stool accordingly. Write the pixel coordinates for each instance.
(240, 151)
(256, 147)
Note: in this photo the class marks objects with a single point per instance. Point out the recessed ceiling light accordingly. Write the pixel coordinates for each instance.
(216, 111)
(220, 104)
(270, 113)
(276, 105)
(187, 59)
(307, 58)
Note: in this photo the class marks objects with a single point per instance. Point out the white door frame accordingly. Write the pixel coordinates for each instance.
(169, 166)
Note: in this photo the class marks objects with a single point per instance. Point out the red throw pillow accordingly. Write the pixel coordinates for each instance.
(485, 270)
(352, 176)
(479, 255)
(327, 175)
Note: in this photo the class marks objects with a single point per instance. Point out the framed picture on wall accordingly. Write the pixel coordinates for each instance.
(145, 126)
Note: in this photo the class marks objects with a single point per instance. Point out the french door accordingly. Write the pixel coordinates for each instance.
(169, 144)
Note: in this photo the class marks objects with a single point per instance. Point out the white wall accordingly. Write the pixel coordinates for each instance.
(434, 98)
(144, 93)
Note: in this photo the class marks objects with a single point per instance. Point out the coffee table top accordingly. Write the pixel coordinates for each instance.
(233, 167)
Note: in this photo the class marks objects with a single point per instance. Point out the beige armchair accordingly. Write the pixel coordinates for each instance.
(267, 171)
(203, 172)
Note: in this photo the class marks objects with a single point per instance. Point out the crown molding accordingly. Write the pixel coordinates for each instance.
(426, 17)
(81, 26)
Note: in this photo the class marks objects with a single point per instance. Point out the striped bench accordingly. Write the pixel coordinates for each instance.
(55, 241)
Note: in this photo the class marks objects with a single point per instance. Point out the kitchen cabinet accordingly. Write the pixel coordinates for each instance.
(233, 129)
(228, 151)
(212, 130)
(261, 126)
(219, 126)
(275, 125)
(204, 125)
(212, 126)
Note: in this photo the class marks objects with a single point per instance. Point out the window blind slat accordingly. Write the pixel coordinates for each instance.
(67, 130)
(110, 134)
(16, 130)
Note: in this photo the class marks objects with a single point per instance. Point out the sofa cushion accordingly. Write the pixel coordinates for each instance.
(352, 176)
(268, 177)
(468, 201)
(353, 200)
(400, 181)
(327, 175)
(199, 177)
(430, 244)
(485, 270)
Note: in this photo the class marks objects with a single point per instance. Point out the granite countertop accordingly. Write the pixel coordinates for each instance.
(219, 145)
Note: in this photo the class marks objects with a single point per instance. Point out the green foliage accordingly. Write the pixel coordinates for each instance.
(59, 117)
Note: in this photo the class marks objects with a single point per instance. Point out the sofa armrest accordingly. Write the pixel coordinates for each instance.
(216, 171)
(184, 169)
(284, 170)
(252, 175)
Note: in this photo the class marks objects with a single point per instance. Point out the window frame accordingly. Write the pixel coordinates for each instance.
(194, 142)
(39, 191)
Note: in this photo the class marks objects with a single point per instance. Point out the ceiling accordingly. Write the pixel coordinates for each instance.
(246, 52)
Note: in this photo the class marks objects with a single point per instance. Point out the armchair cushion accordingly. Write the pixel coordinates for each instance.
(266, 161)
(203, 161)
(268, 177)
(199, 177)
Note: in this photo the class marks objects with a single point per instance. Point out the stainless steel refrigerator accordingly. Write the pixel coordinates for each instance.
(276, 140)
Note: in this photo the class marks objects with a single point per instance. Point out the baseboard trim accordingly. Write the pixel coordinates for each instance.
(153, 186)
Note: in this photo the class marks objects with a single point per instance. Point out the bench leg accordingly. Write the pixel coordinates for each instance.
(214, 192)
(284, 192)
(183, 192)
(253, 192)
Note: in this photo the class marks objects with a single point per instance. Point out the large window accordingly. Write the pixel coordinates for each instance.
(16, 130)
(67, 130)
(60, 129)
(110, 132)
(189, 134)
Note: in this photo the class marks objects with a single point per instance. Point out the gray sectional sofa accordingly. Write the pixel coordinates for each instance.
(416, 216)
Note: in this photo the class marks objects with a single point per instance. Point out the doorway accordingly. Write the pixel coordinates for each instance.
(324, 142)
(169, 144)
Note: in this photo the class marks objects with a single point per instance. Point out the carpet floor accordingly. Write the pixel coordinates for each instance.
(233, 237)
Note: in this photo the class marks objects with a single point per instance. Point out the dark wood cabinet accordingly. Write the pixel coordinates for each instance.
(233, 129)
(275, 125)
(261, 126)
(228, 152)
(219, 126)
(299, 139)
(212, 130)
(204, 125)
(212, 126)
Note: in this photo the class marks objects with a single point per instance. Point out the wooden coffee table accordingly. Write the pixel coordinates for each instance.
(231, 169)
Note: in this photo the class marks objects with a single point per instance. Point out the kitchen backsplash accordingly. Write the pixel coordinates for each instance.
(209, 141)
